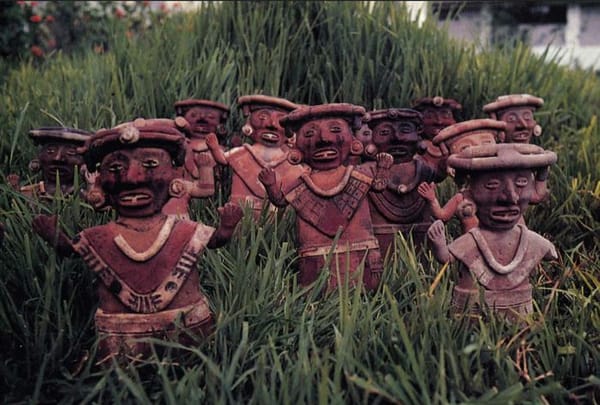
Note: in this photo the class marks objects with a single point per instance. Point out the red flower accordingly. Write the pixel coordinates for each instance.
(37, 51)
(49, 18)
(35, 18)
(119, 12)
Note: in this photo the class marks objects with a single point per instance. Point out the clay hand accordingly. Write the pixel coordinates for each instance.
(267, 177)
(230, 215)
(427, 191)
(45, 226)
(13, 181)
(384, 160)
(211, 141)
(436, 234)
(90, 177)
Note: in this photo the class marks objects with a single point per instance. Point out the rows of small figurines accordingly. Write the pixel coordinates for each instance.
(354, 177)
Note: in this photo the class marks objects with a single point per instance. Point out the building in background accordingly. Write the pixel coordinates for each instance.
(569, 28)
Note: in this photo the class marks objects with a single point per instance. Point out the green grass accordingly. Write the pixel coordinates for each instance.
(276, 342)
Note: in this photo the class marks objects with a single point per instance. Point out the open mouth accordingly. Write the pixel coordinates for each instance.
(399, 151)
(520, 136)
(205, 129)
(325, 154)
(134, 198)
(270, 137)
(60, 169)
(506, 214)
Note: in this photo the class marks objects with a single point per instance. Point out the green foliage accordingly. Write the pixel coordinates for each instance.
(276, 342)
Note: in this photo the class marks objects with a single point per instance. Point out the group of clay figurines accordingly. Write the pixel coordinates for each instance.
(354, 177)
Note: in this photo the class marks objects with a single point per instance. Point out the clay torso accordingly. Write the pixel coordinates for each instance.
(321, 214)
(400, 208)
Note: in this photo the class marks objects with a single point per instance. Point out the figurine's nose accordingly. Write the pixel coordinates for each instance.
(510, 194)
(272, 122)
(521, 122)
(134, 173)
(328, 136)
(59, 155)
(437, 118)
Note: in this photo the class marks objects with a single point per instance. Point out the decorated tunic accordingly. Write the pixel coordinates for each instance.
(503, 287)
(246, 166)
(144, 294)
(400, 208)
(341, 215)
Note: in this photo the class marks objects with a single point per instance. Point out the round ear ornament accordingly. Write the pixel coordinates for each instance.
(294, 156)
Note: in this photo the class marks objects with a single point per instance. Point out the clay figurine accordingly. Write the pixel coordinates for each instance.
(497, 257)
(145, 260)
(517, 111)
(58, 159)
(438, 113)
(202, 122)
(451, 140)
(399, 208)
(330, 198)
(269, 149)
(365, 136)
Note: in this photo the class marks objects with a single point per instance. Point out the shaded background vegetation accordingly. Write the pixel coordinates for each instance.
(276, 343)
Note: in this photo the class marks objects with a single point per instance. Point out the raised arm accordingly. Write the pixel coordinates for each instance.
(437, 237)
(230, 215)
(382, 171)
(215, 149)
(445, 213)
(268, 178)
(47, 227)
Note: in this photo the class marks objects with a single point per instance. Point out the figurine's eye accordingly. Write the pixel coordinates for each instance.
(429, 115)
(309, 133)
(335, 129)
(367, 133)
(150, 163)
(492, 184)
(115, 167)
(406, 128)
(385, 132)
(211, 116)
(263, 116)
(71, 151)
(511, 118)
(527, 115)
(51, 149)
(521, 181)
(446, 114)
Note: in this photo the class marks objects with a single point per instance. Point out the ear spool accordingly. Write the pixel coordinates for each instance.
(96, 198)
(370, 150)
(177, 188)
(421, 147)
(537, 130)
(247, 130)
(356, 147)
(35, 165)
(221, 130)
(295, 156)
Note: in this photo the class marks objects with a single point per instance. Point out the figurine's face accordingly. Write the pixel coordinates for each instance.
(519, 124)
(203, 120)
(325, 143)
(398, 138)
(265, 126)
(364, 135)
(435, 119)
(472, 139)
(137, 181)
(61, 158)
(501, 196)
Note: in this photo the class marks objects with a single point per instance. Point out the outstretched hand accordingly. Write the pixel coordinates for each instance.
(427, 191)
(384, 160)
(267, 177)
(230, 215)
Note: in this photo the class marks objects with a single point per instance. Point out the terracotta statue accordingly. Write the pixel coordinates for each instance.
(438, 113)
(496, 257)
(452, 140)
(399, 208)
(269, 149)
(58, 159)
(517, 111)
(202, 122)
(330, 198)
(145, 260)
